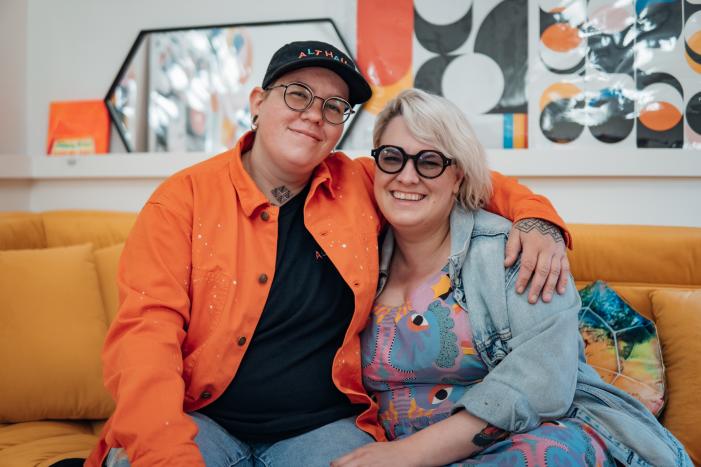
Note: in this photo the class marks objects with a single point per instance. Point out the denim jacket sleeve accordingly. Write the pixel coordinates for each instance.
(536, 378)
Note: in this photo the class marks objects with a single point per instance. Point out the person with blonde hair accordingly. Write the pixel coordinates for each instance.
(462, 368)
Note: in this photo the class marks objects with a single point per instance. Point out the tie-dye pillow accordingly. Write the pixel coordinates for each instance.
(622, 345)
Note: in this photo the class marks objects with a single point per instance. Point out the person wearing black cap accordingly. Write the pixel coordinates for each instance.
(247, 279)
(307, 54)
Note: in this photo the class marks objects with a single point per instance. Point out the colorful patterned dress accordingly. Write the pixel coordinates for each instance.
(419, 360)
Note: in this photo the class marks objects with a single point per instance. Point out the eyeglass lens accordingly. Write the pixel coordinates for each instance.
(428, 164)
(300, 98)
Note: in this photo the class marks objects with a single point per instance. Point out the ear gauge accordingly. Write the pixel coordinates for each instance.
(254, 123)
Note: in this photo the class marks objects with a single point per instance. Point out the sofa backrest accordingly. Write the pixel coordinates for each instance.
(26, 230)
(105, 230)
(21, 231)
(636, 259)
(633, 259)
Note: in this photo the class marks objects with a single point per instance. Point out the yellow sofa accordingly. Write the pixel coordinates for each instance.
(57, 296)
(52, 404)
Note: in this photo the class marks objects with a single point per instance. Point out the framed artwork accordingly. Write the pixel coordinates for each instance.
(186, 89)
(475, 53)
(624, 73)
(542, 74)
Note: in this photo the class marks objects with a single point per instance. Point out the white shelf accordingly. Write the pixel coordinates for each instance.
(131, 165)
(518, 163)
(14, 166)
(100, 166)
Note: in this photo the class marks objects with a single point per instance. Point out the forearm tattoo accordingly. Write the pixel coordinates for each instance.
(544, 227)
(282, 194)
(488, 436)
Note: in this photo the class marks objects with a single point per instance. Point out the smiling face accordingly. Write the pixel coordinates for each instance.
(409, 202)
(296, 142)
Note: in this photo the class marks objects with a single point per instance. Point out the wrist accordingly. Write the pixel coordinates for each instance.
(412, 452)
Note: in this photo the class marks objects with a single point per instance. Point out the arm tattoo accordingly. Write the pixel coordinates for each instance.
(488, 436)
(544, 227)
(282, 194)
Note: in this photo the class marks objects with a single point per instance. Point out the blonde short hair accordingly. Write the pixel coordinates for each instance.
(439, 123)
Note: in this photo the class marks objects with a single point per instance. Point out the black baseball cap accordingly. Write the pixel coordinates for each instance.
(302, 54)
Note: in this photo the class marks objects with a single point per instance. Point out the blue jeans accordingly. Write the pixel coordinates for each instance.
(315, 448)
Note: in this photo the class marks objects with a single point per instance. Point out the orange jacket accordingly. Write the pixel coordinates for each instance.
(194, 277)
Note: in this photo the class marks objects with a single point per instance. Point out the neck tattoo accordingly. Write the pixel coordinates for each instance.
(282, 194)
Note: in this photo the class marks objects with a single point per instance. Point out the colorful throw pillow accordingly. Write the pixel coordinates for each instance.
(677, 315)
(622, 345)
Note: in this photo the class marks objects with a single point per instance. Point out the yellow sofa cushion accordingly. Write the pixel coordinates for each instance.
(45, 451)
(47, 442)
(107, 260)
(52, 327)
(21, 230)
(101, 228)
(678, 319)
(27, 432)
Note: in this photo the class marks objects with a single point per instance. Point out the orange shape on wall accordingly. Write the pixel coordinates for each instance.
(694, 43)
(78, 127)
(660, 116)
(561, 37)
(385, 33)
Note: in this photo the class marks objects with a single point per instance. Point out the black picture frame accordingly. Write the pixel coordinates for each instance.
(117, 117)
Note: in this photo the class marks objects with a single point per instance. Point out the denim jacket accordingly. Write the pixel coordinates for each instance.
(535, 354)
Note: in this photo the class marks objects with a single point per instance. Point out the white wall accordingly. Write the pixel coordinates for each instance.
(630, 200)
(13, 61)
(72, 49)
(76, 47)
(14, 193)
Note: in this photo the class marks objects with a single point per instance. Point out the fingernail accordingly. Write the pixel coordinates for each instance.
(547, 297)
(519, 289)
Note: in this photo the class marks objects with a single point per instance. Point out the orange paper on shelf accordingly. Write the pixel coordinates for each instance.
(78, 127)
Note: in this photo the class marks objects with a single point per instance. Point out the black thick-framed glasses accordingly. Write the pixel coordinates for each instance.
(299, 97)
(428, 163)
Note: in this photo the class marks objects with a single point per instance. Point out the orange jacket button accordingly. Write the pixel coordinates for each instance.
(263, 278)
(265, 216)
(205, 395)
(241, 341)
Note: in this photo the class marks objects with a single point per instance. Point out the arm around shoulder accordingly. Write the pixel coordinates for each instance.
(536, 379)
(515, 201)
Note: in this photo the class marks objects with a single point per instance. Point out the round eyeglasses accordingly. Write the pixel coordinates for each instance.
(428, 163)
(299, 97)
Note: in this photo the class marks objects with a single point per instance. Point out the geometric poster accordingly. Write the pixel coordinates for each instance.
(623, 72)
(448, 49)
(599, 74)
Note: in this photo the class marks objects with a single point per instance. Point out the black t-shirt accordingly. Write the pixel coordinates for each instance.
(283, 387)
